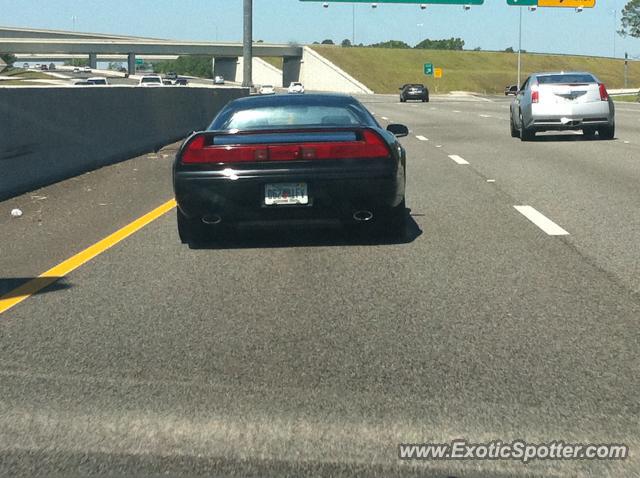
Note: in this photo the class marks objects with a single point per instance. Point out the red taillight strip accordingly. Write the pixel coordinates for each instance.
(371, 146)
(604, 94)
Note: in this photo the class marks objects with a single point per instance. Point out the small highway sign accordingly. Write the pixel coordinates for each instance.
(437, 73)
(139, 61)
(428, 69)
(567, 3)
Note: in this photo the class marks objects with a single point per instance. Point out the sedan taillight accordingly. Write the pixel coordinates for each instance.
(535, 95)
(604, 95)
(369, 146)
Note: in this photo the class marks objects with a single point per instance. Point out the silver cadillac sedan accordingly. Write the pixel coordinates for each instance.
(562, 101)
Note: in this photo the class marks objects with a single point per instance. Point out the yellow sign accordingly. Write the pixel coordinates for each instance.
(437, 72)
(567, 3)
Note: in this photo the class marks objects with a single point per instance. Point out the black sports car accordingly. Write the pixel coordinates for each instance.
(291, 158)
(414, 92)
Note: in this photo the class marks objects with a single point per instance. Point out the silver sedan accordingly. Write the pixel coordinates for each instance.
(562, 101)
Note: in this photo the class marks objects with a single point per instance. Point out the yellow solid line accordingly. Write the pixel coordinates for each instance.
(47, 278)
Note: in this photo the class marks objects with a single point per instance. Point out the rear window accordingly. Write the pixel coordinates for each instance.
(570, 78)
(151, 80)
(292, 116)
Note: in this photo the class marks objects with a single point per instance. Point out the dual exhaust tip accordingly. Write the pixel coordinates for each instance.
(360, 216)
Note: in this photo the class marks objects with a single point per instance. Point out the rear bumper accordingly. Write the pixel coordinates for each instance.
(335, 191)
(571, 116)
(415, 96)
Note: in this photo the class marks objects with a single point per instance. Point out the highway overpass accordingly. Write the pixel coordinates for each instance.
(21, 41)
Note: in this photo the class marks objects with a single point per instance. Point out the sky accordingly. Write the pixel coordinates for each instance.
(492, 26)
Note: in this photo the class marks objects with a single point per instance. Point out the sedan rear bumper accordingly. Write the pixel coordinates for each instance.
(335, 191)
(571, 116)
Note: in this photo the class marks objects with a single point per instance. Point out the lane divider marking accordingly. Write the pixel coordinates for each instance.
(385, 118)
(422, 138)
(458, 159)
(26, 290)
(542, 221)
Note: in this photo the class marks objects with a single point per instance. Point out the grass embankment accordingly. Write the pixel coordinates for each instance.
(626, 98)
(25, 74)
(274, 61)
(385, 70)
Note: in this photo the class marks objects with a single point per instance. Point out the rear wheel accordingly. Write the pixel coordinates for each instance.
(402, 100)
(607, 132)
(589, 133)
(526, 134)
(514, 131)
(190, 230)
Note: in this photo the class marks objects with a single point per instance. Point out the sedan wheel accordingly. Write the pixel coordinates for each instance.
(514, 131)
(607, 132)
(526, 134)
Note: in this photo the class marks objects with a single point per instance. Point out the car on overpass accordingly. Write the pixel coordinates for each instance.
(414, 91)
(25, 66)
(291, 158)
(562, 101)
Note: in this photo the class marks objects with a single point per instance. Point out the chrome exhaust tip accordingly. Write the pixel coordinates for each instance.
(363, 216)
(212, 220)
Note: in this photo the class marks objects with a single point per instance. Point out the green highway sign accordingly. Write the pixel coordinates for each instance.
(139, 61)
(415, 2)
(428, 69)
(523, 3)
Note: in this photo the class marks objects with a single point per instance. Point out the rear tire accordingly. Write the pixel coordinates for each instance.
(514, 132)
(526, 134)
(607, 132)
(589, 133)
(394, 222)
(402, 100)
(190, 230)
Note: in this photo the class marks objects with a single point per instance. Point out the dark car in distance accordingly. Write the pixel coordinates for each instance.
(291, 159)
(511, 90)
(414, 92)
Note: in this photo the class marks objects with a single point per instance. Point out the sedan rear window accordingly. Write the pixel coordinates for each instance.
(563, 78)
(291, 116)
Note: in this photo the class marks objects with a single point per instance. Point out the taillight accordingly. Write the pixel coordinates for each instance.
(369, 146)
(604, 95)
(535, 95)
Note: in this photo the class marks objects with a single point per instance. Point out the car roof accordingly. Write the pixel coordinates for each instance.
(313, 99)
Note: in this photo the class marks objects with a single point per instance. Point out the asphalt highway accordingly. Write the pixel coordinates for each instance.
(311, 352)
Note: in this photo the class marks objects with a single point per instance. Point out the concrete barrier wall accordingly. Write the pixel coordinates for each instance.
(49, 134)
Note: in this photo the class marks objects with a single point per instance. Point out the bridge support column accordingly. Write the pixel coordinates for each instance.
(226, 67)
(93, 61)
(131, 63)
(291, 70)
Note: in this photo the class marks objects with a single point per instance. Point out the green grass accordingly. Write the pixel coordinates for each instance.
(19, 83)
(26, 74)
(385, 70)
(626, 98)
(274, 61)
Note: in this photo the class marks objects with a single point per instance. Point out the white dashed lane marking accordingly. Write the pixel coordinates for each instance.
(422, 138)
(458, 159)
(542, 221)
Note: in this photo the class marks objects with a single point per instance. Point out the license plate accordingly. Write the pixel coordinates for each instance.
(286, 193)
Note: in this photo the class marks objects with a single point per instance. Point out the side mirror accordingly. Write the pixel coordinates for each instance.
(399, 130)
